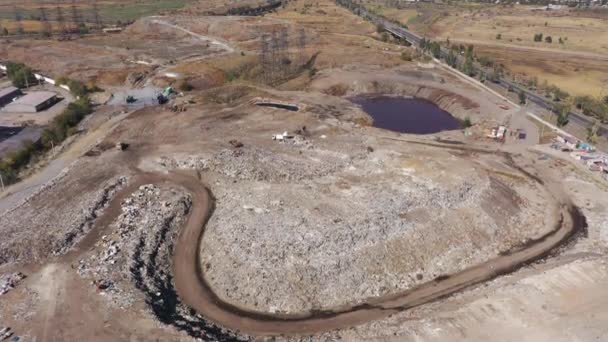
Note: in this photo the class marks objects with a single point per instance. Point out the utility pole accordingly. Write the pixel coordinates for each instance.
(264, 41)
(75, 18)
(46, 29)
(302, 48)
(18, 23)
(274, 47)
(61, 21)
(96, 17)
(285, 59)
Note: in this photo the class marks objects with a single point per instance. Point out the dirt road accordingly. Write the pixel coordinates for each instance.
(554, 51)
(213, 41)
(192, 288)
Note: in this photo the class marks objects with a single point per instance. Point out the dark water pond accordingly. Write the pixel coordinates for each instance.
(407, 115)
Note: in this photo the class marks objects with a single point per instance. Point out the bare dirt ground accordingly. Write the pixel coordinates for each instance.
(109, 60)
(206, 228)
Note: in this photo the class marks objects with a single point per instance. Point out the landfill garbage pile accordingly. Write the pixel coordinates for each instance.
(79, 231)
(10, 281)
(363, 231)
(255, 163)
(19, 244)
(132, 263)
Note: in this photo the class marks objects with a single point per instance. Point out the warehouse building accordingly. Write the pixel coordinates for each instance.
(32, 102)
(7, 95)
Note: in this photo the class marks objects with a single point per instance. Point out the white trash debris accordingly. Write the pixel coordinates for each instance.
(282, 137)
(10, 281)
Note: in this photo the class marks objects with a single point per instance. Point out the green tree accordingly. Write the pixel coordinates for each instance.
(469, 52)
(451, 59)
(563, 114)
(435, 49)
(467, 66)
(423, 43)
(83, 28)
(485, 61)
(499, 36)
(548, 39)
(494, 75)
(20, 75)
(522, 97)
(592, 132)
(406, 56)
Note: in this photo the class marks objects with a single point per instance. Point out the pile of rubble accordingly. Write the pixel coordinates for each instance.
(6, 333)
(48, 224)
(79, 231)
(10, 281)
(144, 214)
(133, 262)
(372, 228)
(255, 163)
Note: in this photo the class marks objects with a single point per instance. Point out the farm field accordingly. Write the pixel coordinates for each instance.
(110, 11)
(575, 59)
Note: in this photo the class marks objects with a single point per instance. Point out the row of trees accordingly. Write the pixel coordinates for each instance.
(467, 65)
(434, 48)
(589, 106)
(538, 37)
(62, 126)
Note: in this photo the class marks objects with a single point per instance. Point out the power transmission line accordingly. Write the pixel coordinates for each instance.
(18, 23)
(96, 17)
(61, 21)
(46, 29)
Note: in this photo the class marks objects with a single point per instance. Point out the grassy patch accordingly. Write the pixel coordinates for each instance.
(129, 12)
(110, 11)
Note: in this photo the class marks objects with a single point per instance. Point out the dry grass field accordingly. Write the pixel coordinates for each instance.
(576, 60)
(110, 11)
(518, 25)
(342, 44)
